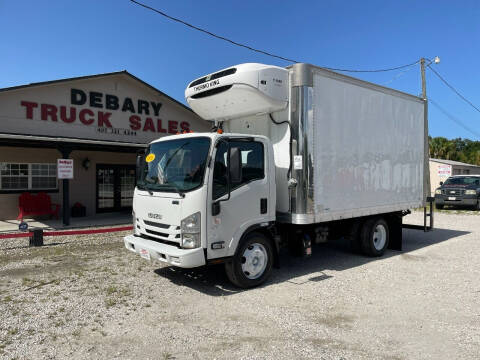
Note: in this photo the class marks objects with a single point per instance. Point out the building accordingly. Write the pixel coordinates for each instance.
(99, 121)
(441, 169)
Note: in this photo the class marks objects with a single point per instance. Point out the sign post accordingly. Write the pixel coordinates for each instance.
(65, 168)
(65, 172)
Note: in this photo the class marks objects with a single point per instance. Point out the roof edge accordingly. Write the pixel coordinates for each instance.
(453, 162)
(122, 72)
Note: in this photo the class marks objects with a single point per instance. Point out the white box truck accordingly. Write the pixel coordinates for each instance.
(296, 156)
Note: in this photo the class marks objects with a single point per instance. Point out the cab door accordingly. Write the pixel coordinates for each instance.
(246, 204)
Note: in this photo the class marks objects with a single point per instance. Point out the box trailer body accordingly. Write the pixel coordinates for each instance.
(341, 156)
(357, 148)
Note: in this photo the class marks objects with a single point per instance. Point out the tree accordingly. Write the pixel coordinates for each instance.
(458, 149)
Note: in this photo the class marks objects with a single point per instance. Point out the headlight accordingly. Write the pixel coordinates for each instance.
(438, 191)
(470, 192)
(190, 227)
(190, 241)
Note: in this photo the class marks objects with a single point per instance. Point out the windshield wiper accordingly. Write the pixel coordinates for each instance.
(174, 153)
(160, 187)
(171, 186)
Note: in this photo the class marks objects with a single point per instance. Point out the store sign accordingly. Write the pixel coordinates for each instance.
(65, 168)
(444, 170)
(142, 120)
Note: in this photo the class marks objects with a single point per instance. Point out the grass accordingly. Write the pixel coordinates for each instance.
(112, 289)
(27, 281)
(110, 302)
(12, 332)
(116, 295)
(7, 298)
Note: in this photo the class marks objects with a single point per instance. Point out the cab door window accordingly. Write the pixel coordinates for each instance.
(253, 165)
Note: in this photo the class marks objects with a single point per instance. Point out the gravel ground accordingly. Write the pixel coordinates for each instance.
(86, 297)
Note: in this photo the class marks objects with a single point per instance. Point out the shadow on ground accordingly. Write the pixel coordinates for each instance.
(334, 255)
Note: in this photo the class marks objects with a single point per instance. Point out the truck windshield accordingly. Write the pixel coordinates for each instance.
(464, 180)
(174, 165)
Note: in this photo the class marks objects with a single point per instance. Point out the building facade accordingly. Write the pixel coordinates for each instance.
(441, 169)
(99, 121)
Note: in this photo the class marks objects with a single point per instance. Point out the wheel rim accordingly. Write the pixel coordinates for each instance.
(379, 237)
(254, 261)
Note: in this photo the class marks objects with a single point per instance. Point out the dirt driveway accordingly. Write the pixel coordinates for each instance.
(87, 297)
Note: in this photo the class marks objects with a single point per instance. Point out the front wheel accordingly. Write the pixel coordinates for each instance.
(439, 206)
(252, 263)
(374, 237)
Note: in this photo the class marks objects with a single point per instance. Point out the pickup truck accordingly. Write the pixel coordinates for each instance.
(459, 190)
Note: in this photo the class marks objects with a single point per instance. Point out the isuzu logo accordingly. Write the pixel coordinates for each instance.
(154, 216)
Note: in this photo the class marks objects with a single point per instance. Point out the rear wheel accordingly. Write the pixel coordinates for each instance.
(374, 237)
(252, 263)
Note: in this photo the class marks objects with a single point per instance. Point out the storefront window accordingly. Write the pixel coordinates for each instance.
(44, 176)
(20, 176)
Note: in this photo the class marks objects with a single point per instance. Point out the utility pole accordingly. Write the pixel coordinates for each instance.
(426, 148)
(424, 85)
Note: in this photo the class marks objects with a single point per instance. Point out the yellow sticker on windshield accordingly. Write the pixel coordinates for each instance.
(150, 157)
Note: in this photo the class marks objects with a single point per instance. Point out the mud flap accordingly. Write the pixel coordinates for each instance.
(395, 227)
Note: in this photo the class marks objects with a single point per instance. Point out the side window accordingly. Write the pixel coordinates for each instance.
(253, 165)
(252, 161)
(220, 171)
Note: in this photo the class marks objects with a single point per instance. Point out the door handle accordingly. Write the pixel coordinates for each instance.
(263, 206)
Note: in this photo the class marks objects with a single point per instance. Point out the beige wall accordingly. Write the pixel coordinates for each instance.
(82, 187)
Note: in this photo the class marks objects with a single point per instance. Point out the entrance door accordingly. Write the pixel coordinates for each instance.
(115, 186)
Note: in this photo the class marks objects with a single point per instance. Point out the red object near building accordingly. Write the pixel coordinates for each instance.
(39, 204)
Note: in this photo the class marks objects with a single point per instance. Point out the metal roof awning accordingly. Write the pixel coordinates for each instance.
(55, 142)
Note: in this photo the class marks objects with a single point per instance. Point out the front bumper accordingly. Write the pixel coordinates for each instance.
(463, 200)
(185, 258)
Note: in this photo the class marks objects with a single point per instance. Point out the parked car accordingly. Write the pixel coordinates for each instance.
(459, 190)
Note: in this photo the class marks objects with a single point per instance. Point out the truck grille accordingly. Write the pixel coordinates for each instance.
(453, 192)
(165, 233)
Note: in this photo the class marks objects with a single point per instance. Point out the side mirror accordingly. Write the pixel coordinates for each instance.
(441, 183)
(235, 166)
(215, 208)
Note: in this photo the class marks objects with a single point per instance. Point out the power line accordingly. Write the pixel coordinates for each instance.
(400, 74)
(453, 89)
(210, 33)
(376, 70)
(259, 50)
(453, 118)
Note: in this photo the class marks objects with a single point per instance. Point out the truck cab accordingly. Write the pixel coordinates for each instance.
(199, 195)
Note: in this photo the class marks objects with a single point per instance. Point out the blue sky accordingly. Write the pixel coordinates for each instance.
(46, 40)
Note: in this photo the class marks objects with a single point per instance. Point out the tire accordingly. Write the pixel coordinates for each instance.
(438, 206)
(477, 207)
(374, 237)
(252, 263)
